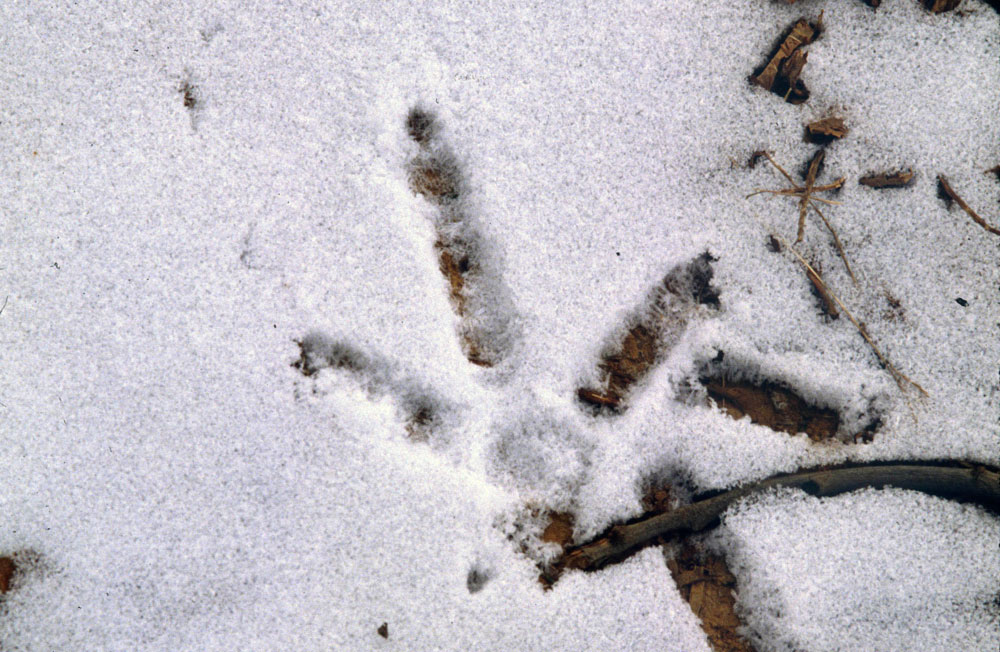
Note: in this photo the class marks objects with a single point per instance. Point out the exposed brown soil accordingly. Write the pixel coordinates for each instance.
(657, 322)
(559, 530)
(435, 176)
(624, 367)
(771, 405)
(707, 585)
(657, 499)
(939, 6)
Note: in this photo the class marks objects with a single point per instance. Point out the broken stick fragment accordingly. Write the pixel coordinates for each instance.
(897, 179)
(783, 69)
(826, 130)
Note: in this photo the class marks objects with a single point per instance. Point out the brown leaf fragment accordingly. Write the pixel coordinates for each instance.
(781, 74)
(706, 583)
(994, 170)
(826, 130)
(800, 34)
(940, 6)
(597, 398)
(874, 4)
(898, 179)
(945, 187)
(383, 630)
(7, 569)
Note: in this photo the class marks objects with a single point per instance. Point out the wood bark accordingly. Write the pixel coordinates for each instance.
(966, 482)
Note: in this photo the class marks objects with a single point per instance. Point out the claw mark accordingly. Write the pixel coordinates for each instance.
(657, 326)
(434, 174)
(318, 352)
(773, 406)
(706, 583)
(776, 405)
(477, 579)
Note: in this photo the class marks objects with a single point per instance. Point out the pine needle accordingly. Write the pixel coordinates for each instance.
(902, 380)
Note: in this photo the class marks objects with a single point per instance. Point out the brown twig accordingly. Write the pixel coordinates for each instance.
(948, 190)
(968, 482)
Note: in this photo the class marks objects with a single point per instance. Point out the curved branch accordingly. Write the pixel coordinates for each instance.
(967, 482)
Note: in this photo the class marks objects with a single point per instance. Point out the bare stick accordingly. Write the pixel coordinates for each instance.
(965, 207)
(969, 482)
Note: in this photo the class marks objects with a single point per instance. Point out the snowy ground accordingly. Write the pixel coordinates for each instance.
(171, 482)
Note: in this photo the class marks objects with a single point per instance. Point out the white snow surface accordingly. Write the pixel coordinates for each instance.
(171, 482)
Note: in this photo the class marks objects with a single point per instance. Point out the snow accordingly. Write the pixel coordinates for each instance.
(171, 482)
